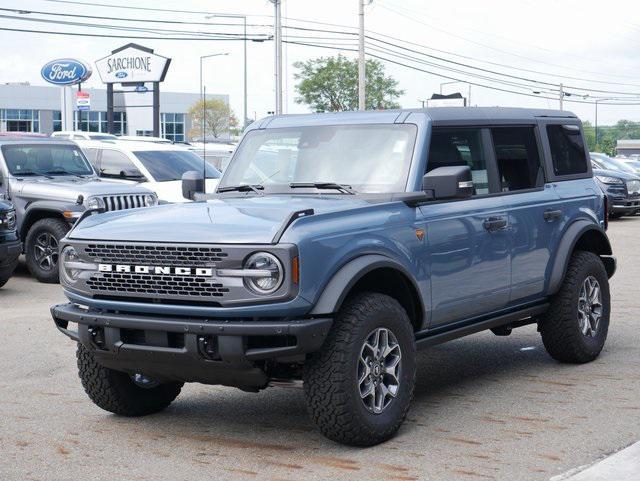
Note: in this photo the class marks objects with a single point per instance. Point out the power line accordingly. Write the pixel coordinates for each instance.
(122, 28)
(103, 35)
(476, 84)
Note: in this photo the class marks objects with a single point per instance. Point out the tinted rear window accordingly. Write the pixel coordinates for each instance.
(567, 149)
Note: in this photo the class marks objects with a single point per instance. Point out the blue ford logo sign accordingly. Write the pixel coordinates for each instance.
(121, 74)
(65, 71)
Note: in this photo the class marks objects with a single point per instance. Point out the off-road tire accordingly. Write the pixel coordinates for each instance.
(3, 281)
(116, 392)
(559, 326)
(58, 229)
(330, 375)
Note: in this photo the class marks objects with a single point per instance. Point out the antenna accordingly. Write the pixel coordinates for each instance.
(204, 137)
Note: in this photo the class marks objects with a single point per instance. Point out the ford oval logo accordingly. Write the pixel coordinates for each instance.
(65, 71)
(121, 74)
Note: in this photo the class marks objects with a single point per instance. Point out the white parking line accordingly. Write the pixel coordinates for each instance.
(621, 466)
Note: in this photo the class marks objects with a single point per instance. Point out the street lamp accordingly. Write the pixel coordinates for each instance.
(244, 21)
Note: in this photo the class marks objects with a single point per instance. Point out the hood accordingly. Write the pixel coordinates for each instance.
(237, 220)
(69, 188)
(615, 173)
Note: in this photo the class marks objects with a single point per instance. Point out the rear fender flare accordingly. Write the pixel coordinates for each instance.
(566, 247)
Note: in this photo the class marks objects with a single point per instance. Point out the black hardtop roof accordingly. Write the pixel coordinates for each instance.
(443, 114)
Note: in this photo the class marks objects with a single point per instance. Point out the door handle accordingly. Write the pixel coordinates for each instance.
(551, 215)
(493, 224)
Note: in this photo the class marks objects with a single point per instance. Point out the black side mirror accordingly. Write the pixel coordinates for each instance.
(449, 182)
(192, 184)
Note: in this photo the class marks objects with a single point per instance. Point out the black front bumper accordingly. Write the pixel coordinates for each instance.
(212, 351)
(624, 205)
(10, 250)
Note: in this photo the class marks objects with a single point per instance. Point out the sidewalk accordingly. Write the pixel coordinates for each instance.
(621, 466)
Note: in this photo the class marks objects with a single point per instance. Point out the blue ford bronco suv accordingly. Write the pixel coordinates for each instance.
(336, 245)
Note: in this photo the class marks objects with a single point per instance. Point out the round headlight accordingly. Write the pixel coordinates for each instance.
(268, 273)
(93, 203)
(69, 257)
(150, 200)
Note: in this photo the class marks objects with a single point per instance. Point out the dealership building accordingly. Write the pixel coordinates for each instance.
(29, 108)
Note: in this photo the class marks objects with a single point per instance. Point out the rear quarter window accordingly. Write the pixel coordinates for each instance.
(567, 150)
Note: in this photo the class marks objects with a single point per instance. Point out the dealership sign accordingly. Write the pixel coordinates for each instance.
(65, 71)
(83, 100)
(132, 64)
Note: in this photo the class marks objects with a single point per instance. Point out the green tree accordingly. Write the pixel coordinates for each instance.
(330, 84)
(219, 118)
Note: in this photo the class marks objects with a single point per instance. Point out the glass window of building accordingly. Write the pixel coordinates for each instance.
(57, 121)
(94, 121)
(172, 126)
(19, 120)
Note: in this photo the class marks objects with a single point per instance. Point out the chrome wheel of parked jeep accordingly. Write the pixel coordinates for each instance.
(590, 306)
(46, 251)
(379, 370)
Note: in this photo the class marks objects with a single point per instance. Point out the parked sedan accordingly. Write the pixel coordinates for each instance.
(622, 190)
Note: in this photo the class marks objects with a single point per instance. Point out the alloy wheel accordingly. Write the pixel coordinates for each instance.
(46, 251)
(590, 306)
(379, 367)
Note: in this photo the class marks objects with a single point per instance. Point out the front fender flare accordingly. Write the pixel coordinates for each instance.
(338, 287)
(567, 244)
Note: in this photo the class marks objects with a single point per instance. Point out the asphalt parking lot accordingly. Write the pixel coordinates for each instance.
(486, 407)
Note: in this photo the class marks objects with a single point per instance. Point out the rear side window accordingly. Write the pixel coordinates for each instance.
(567, 149)
(460, 147)
(518, 158)
(117, 165)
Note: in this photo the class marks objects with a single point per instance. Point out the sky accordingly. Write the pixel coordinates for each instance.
(587, 46)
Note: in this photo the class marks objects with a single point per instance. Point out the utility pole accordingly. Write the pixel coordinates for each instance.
(361, 59)
(278, 55)
(561, 95)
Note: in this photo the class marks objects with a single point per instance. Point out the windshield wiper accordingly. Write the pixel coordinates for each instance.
(242, 188)
(323, 185)
(32, 173)
(64, 172)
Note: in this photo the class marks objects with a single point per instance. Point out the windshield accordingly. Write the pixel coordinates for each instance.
(45, 160)
(372, 158)
(614, 164)
(167, 165)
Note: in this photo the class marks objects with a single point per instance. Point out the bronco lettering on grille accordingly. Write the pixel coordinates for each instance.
(158, 270)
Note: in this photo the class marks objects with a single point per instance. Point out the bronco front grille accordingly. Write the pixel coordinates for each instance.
(158, 285)
(155, 255)
(123, 201)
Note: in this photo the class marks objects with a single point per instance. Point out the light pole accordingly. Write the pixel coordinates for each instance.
(362, 77)
(277, 28)
(244, 19)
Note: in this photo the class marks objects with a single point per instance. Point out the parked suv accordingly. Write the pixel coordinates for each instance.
(157, 166)
(51, 183)
(621, 188)
(371, 235)
(10, 246)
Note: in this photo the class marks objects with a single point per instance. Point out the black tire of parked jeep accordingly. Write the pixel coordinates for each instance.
(3, 281)
(332, 376)
(615, 215)
(41, 249)
(116, 391)
(562, 325)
